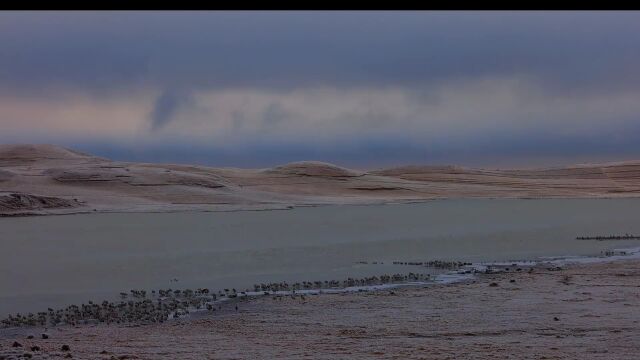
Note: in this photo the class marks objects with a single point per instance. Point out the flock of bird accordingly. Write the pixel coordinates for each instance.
(438, 264)
(609, 237)
(157, 306)
(613, 252)
(141, 310)
(332, 284)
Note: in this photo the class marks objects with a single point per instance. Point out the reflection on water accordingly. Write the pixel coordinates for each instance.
(47, 261)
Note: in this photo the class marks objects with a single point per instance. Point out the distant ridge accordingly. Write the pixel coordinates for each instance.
(36, 151)
(314, 168)
(49, 179)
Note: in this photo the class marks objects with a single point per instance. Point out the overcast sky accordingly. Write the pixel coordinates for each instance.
(362, 89)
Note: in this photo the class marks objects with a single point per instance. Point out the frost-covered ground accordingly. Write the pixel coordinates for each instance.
(586, 311)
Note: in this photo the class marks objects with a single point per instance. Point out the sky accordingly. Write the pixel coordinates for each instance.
(359, 89)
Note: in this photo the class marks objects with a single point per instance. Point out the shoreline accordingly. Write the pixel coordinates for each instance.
(418, 275)
(452, 272)
(286, 207)
(493, 314)
(448, 272)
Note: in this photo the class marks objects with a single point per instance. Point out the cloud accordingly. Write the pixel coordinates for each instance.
(458, 112)
(275, 114)
(112, 51)
(295, 82)
(167, 105)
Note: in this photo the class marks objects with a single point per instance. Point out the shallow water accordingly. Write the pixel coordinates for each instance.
(56, 260)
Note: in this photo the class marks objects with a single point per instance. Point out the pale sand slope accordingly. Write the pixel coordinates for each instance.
(596, 305)
(47, 179)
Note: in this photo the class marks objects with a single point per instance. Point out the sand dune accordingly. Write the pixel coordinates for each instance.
(48, 179)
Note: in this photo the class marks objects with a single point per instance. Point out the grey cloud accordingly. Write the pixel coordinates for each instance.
(239, 122)
(166, 107)
(524, 149)
(102, 52)
(578, 73)
(275, 114)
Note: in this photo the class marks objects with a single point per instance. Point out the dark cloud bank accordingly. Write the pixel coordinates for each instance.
(110, 51)
(177, 54)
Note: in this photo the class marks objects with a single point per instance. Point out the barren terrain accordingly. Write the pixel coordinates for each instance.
(581, 312)
(47, 179)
